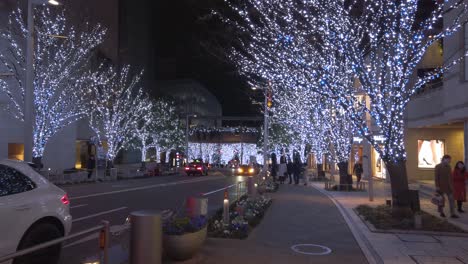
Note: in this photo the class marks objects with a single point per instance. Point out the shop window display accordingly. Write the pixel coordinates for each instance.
(430, 153)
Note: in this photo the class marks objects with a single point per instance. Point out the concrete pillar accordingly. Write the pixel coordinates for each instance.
(146, 237)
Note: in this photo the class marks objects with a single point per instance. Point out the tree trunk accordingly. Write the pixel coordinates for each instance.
(38, 162)
(343, 171)
(399, 183)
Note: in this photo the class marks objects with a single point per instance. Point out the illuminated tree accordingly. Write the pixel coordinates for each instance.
(119, 107)
(379, 42)
(61, 56)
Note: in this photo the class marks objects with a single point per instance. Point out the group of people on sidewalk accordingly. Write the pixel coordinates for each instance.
(291, 169)
(451, 184)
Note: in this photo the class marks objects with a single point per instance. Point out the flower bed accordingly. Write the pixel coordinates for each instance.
(382, 217)
(245, 215)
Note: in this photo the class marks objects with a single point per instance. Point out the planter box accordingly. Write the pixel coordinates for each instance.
(183, 247)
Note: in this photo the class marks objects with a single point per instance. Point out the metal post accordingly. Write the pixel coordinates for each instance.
(465, 131)
(187, 137)
(29, 91)
(265, 134)
(146, 237)
(226, 208)
(104, 241)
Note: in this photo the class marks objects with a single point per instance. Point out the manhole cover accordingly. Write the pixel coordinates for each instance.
(311, 249)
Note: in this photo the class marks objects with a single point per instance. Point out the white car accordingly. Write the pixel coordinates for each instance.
(32, 211)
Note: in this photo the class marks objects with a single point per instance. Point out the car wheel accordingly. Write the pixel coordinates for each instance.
(38, 234)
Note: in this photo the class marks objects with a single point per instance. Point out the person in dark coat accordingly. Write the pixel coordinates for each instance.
(290, 170)
(274, 167)
(90, 165)
(459, 176)
(357, 170)
(444, 184)
(297, 170)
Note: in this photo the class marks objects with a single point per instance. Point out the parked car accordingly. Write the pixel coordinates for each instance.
(247, 170)
(196, 167)
(32, 211)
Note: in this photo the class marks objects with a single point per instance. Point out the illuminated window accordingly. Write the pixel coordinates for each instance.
(430, 153)
(15, 151)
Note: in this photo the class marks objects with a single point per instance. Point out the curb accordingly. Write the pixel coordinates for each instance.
(369, 252)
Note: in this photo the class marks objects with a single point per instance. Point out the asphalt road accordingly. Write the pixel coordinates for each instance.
(114, 201)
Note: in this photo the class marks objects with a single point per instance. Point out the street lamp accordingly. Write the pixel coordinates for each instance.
(187, 117)
(29, 91)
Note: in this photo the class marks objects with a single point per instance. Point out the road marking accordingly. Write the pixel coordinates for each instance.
(78, 206)
(146, 187)
(222, 189)
(298, 249)
(98, 214)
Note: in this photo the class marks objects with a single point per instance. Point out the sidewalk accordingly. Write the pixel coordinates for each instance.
(399, 248)
(298, 215)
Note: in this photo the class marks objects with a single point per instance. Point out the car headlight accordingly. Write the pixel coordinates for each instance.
(240, 170)
(251, 170)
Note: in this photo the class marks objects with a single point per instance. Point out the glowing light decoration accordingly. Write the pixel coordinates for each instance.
(161, 129)
(59, 70)
(119, 105)
(378, 42)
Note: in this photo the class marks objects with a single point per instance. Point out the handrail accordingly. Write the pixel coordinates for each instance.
(23, 252)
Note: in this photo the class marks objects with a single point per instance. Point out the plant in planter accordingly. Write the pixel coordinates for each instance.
(184, 236)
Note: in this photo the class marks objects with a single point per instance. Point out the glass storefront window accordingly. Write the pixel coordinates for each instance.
(430, 153)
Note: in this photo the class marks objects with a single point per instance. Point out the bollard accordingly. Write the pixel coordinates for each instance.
(104, 242)
(146, 237)
(196, 206)
(226, 208)
(417, 221)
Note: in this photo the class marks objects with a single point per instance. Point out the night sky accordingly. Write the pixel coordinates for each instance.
(185, 45)
(184, 50)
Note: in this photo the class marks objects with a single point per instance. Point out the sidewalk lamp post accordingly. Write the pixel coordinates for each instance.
(187, 119)
(29, 91)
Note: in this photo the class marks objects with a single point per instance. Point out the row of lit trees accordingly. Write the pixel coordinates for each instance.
(321, 48)
(67, 90)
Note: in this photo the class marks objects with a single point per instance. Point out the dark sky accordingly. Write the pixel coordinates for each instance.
(182, 42)
(179, 45)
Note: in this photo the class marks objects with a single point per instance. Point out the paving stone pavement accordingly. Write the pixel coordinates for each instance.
(400, 248)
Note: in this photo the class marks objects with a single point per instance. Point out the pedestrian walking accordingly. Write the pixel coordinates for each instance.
(90, 165)
(282, 169)
(459, 176)
(297, 170)
(357, 170)
(444, 184)
(290, 170)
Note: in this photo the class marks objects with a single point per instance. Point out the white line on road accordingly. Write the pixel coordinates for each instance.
(222, 189)
(98, 214)
(78, 206)
(146, 187)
